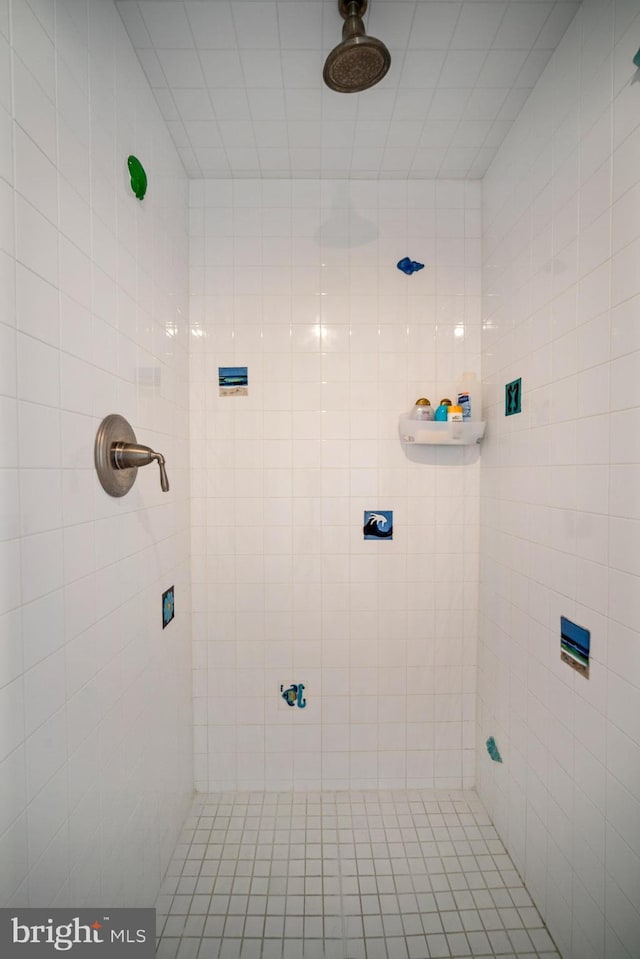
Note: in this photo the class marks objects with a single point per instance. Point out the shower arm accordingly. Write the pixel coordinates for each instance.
(128, 455)
(352, 11)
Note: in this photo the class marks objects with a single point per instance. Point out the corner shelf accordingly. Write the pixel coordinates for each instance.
(427, 432)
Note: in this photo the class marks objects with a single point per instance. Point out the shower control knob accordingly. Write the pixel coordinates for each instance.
(131, 455)
(117, 456)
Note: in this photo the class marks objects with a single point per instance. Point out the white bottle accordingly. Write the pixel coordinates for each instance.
(423, 410)
(470, 398)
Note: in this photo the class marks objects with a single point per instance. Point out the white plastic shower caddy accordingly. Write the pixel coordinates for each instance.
(427, 432)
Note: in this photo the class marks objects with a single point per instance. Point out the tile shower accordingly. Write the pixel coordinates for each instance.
(350, 827)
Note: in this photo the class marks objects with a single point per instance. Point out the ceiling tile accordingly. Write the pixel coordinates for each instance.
(271, 134)
(367, 159)
(203, 133)
(438, 133)
(521, 25)
(239, 83)
(485, 104)
(243, 160)
(300, 68)
(427, 162)
(556, 25)
(434, 25)
(193, 104)
(274, 161)
(448, 103)
(300, 25)
(371, 133)
(461, 68)
(152, 68)
(266, 104)
(222, 68)
(404, 133)
(167, 24)
(256, 24)
(501, 68)
(471, 133)
(236, 133)
(178, 132)
(336, 135)
(303, 133)
(230, 105)
(212, 162)
(181, 68)
(513, 104)
(421, 69)
(261, 68)
(335, 106)
(168, 108)
(477, 25)
(391, 19)
(375, 104)
(190, 162)
(135, 25)
(303, 104)
(533, 68)
(212, 25)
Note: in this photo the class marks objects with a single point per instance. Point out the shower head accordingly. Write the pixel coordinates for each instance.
(359, 61)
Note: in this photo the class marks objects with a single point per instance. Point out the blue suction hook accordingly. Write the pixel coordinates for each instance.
(493, 750)
(409, 266)
(636, 59)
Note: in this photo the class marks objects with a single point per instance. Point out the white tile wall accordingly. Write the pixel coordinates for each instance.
(95, 738)
(559, 488)
(297, 280)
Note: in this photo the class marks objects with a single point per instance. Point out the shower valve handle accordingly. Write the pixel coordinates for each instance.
(129, 455)
(117, 456)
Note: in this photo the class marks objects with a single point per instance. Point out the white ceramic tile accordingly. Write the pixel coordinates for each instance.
(560, 850)
(34, 111)
(282, 59)
(292, 578)
(181, 68)
(36, 241)
(168, 26)
(33, 46)
(54, 156)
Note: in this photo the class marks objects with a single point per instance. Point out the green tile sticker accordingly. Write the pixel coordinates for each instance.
(513, 397)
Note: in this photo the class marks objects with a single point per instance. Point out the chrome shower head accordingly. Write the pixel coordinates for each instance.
(359, 61)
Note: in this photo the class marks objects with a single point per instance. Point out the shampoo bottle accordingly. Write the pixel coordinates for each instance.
(470, 397)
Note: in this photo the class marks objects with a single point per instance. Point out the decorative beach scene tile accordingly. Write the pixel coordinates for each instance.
(233, 380)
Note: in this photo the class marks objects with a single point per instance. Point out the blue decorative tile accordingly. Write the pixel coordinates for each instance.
(168, 606)
(513, 397)
(233, 380)
(378, 524)
(293, 695)
(575, 643)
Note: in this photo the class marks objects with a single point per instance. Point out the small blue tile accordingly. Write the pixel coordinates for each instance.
(513, 397)
(378, 524)
(168, 606)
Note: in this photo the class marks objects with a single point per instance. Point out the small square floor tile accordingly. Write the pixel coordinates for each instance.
(360, 875)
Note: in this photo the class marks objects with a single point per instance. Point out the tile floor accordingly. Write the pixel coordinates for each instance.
(345, 875)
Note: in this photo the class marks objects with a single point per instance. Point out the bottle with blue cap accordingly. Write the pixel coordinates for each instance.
(442, 411)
